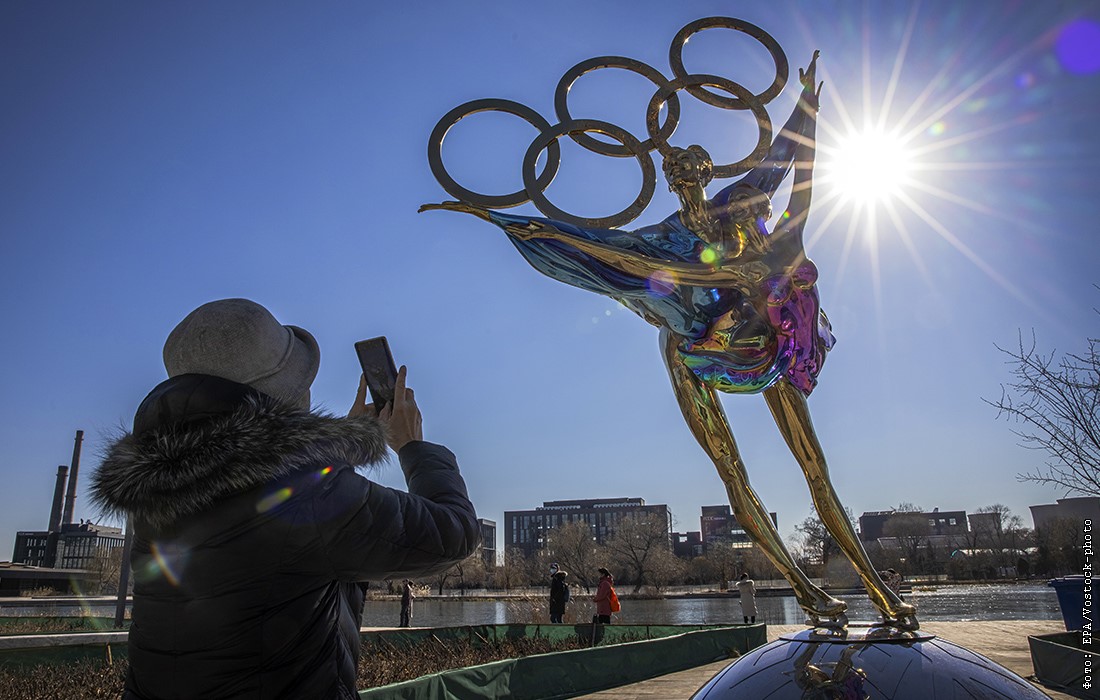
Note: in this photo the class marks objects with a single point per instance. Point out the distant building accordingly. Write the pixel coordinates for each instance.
(985, 523)
(718, 525)
(1076, 509)
(75, 547)
(871, 524)
(488, 542)
(35, 548)
(944, 524)
(687, 545)
(527, 530)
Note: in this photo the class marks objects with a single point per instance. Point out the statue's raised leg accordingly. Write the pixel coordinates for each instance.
(707, 420)
(792, 415)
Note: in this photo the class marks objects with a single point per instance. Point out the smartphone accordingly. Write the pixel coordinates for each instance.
(378, 368)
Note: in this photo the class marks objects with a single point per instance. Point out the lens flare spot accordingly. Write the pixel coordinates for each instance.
(273, 499)
(937, 129)
(976, 105)
(1078, 47)
(165, 562)
(1025, 80)
(708, 256)
(661, 283)
(326, 471)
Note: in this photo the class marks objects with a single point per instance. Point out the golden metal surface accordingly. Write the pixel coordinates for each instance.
(745, 262)
(763, 121)
(578, 127)
(676, 60)
(503, 201)
(792, 416)
(629, 145)
(708, 423)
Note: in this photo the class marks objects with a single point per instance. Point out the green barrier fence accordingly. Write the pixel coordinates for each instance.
(63, 649)
(567, 674)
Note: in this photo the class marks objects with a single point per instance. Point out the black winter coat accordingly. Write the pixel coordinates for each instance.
(559, 595)
(253, 531)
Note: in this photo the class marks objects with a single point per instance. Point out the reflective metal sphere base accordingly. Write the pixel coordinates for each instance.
(865, 663)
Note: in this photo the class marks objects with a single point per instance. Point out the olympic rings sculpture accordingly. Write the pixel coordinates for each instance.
(737, 97)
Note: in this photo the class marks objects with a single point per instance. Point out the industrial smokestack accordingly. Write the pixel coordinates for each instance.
(70, 498)
(58, 497)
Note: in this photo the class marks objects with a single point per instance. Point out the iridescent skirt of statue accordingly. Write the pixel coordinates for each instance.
(731, 343)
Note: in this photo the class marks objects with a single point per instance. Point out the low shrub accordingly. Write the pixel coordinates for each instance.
(380, 663)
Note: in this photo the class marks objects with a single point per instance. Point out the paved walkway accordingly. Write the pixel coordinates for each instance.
(1003, 641)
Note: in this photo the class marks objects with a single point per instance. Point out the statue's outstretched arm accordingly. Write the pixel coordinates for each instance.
(798, 208)
(796, 133)
(457, 206)
(743, 273)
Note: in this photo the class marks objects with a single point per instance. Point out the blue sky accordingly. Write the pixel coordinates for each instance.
(155, 156)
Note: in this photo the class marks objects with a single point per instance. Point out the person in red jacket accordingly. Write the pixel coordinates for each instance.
(603, 596)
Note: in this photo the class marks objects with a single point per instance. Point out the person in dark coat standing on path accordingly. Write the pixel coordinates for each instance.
(407, 597)
(254, 534)
(559, 596)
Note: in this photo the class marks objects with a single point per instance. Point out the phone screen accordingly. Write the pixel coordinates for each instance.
(378, 368)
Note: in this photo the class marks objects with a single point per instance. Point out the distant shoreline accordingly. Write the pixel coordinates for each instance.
(379, 594)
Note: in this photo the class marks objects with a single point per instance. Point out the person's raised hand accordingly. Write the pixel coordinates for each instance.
(404, 424)
(361, 407)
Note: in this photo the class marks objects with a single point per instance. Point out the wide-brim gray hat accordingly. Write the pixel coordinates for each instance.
(239, 340)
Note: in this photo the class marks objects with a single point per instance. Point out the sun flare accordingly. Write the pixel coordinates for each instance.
(870, 167)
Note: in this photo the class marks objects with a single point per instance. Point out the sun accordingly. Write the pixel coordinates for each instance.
(869, 167)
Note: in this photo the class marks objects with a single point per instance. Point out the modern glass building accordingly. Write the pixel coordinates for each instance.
(527, 530)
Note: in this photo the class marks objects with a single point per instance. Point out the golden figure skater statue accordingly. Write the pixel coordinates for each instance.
(738, 312)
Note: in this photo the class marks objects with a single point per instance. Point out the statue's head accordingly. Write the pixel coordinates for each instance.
(687, 168)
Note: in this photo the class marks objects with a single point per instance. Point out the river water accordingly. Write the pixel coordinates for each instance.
(945, 603)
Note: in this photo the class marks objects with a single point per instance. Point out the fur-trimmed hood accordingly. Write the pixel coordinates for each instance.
(200, 439)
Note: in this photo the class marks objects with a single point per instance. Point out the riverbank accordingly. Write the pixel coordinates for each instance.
(764, 587)
(1025, 601)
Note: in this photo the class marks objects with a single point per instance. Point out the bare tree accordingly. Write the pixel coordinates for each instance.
(701, 570)
(105, 568)
(634, 546)
(665, 568)
(574, 548)
(757, 565)
(454, 572)
(1060, 542)
(1055, 401)
(996, 540)
(993, 528)
(814, 545)
(911, 530)
(722, 559)
(513, 572)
